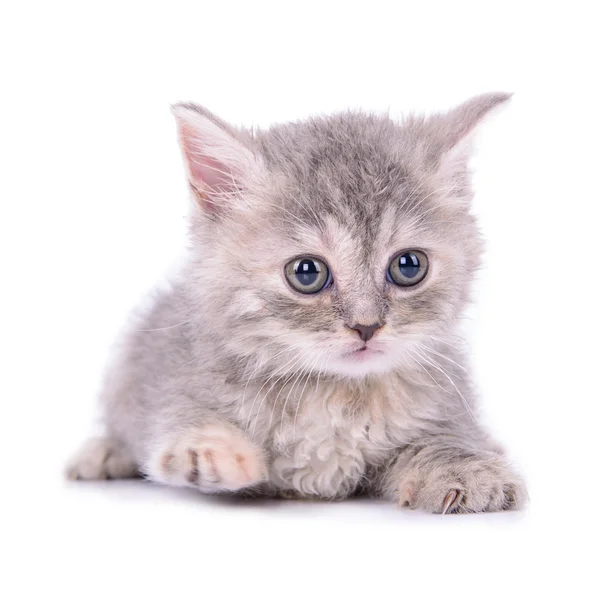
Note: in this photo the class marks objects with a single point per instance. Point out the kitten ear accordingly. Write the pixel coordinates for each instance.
(219, 163)
(460, 122)
(453, 132)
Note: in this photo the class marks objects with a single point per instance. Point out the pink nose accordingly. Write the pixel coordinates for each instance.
(366, 332)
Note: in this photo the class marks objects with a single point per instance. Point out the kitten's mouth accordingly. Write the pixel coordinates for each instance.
(363, 353)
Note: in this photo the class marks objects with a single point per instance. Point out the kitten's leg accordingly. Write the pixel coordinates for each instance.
(452, 477)
(102, 458)
(217, 457)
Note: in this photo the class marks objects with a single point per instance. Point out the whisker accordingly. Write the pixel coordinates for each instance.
(436, 366)
(427, 348)
(258, 367)
(290, 393)
(293, 362)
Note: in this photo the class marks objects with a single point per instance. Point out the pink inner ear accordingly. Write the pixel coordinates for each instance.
(209, 173)
(208, 176)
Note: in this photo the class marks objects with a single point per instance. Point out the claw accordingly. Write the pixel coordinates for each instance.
(450, 498)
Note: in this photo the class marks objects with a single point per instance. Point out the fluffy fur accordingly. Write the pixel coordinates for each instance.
(234, 382)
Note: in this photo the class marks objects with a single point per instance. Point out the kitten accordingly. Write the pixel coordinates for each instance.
(308, 347)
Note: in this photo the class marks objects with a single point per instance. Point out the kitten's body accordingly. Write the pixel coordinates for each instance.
(234, 382)
(343, 428)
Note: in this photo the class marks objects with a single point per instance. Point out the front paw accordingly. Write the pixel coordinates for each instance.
(214, 458)
(473, 483)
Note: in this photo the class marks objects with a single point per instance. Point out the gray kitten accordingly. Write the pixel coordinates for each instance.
(308, 347)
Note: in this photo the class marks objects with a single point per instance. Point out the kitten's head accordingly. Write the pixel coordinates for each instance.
(338, 244)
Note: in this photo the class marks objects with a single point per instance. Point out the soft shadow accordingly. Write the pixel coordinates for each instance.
(144, 491)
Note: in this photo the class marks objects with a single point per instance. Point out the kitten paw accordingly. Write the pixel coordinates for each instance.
(101, 458)
(215, 458)
(474, 484)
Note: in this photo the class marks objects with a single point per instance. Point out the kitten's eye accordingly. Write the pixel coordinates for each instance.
(408, 268)
(307, 275)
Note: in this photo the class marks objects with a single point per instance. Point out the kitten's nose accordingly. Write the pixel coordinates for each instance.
(366, 332)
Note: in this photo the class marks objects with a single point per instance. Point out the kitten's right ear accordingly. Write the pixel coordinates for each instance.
(219, 164)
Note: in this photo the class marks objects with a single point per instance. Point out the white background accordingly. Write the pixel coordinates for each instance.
(93, 201)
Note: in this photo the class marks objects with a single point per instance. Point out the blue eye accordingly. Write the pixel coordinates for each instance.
(307, 275)
(408, 268)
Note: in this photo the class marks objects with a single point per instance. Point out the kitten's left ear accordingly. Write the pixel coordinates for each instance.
(219, 160)
(452, 133)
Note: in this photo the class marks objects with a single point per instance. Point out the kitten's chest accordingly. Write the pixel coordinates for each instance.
(337, 433)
